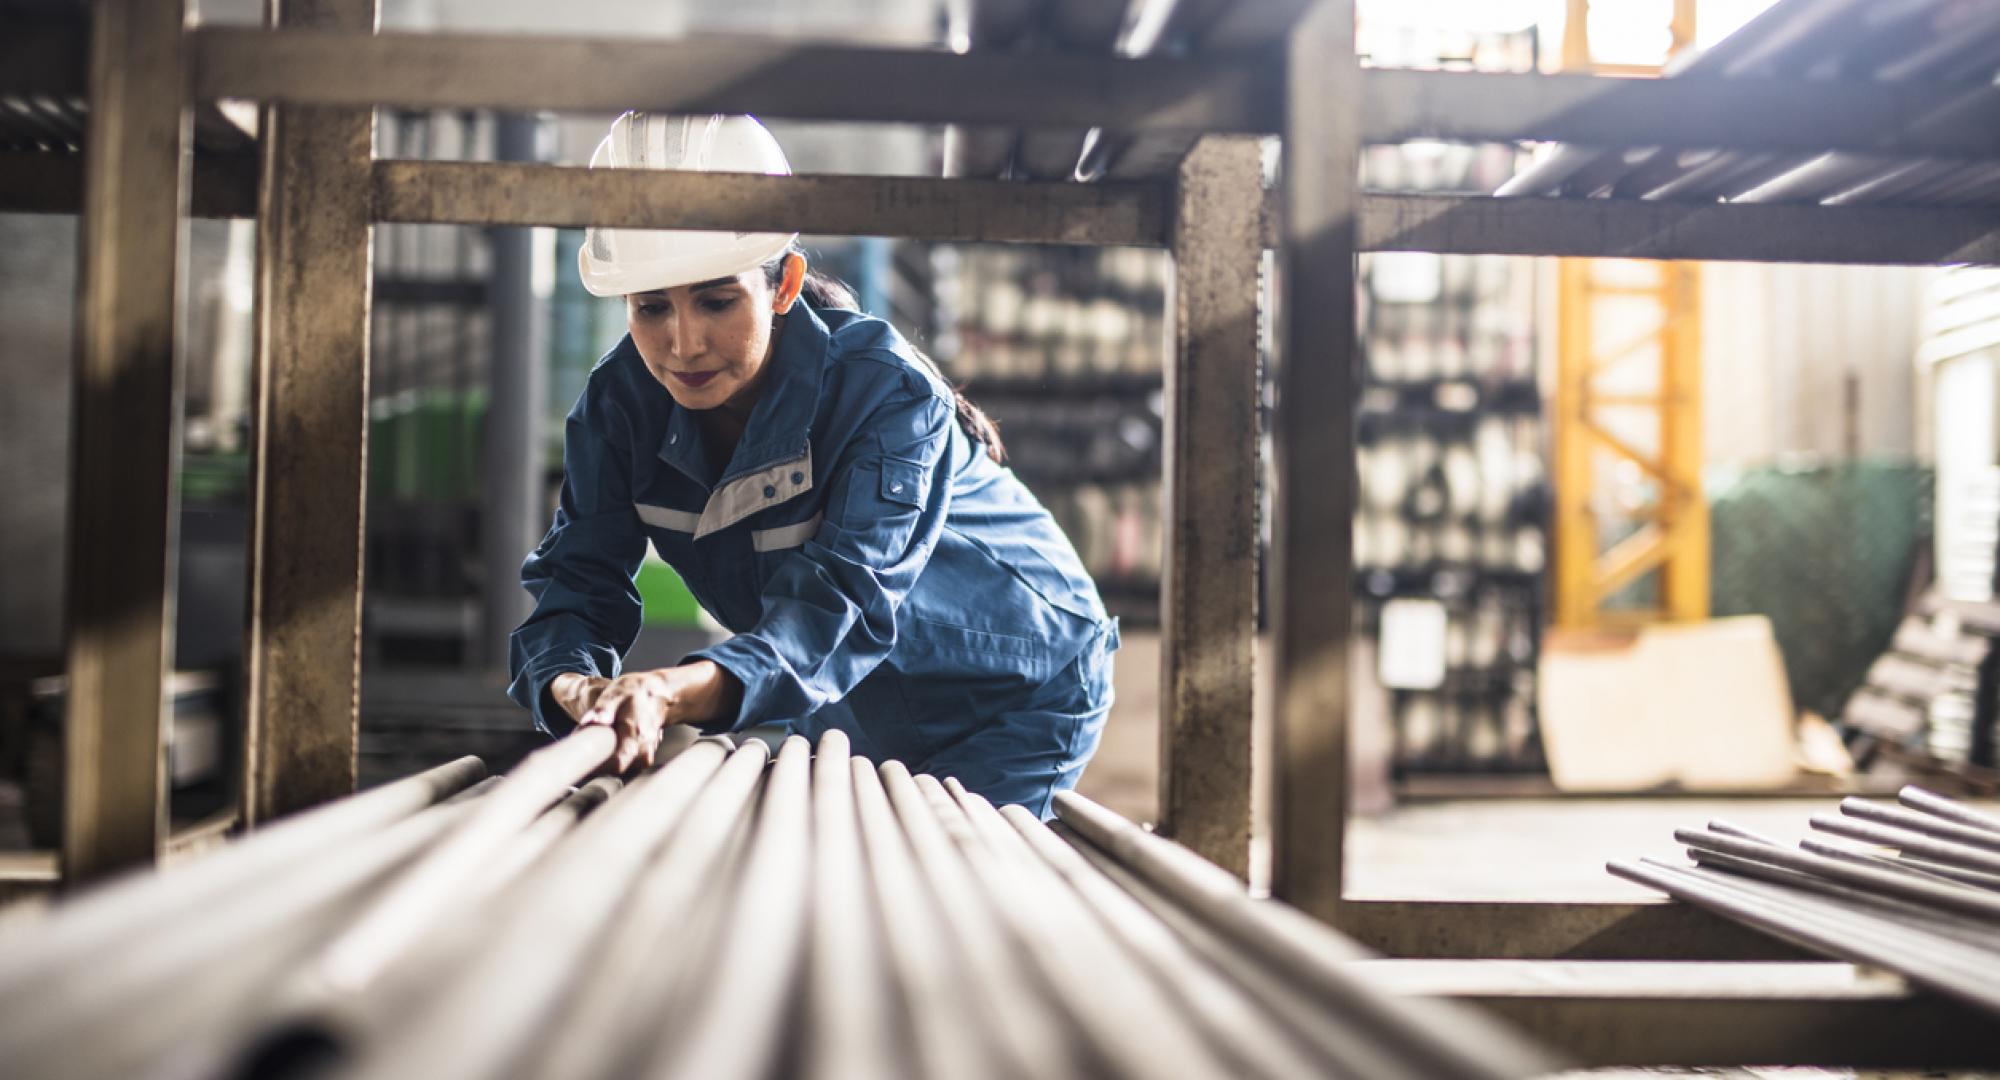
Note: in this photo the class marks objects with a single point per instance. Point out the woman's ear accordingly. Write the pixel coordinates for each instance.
(790, 284)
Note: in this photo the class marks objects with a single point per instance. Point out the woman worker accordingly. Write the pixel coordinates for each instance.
(825, 495)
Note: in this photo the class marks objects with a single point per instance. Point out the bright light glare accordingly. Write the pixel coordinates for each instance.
(1717, 19)
(1468, 16)
(1631, 31)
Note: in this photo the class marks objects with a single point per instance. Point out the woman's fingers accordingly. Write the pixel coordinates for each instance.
(636, 707)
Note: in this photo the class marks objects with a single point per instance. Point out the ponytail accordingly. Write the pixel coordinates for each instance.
(824, 291)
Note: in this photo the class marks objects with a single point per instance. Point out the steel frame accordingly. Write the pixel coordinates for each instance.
(1317, 95)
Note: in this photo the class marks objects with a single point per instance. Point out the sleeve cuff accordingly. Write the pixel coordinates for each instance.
(737, 657)
(530, 687)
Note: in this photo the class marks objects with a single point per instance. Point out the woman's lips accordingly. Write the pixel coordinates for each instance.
(693, 378)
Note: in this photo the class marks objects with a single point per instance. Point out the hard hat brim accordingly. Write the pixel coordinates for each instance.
(685, 257)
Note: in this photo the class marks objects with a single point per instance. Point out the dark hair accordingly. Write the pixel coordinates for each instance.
(825, 291)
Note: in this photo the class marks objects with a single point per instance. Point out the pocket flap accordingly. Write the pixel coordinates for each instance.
(903, 483)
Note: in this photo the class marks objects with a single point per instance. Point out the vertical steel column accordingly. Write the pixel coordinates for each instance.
(310, 442)
(1208, 590)
(126, 449)
(513, 511)
(1312, 550)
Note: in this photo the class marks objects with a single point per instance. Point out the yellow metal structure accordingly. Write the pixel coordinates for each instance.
(1626, 423)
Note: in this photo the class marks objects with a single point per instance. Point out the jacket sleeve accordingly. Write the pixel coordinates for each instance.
(830, 607)
(587, 607)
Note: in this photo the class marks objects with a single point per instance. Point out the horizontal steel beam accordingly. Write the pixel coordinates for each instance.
(47, 56)
(724, 74)
(223, 186)
(1750, 114)
(1721, 232)
(1187, 95)
(1135, 214)
(906, 206)
(1113, 214)
(1529, 930)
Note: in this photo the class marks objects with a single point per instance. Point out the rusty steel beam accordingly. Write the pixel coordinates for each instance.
(1549, 930)
(981, 211)
(1122, 214)
(1312, 545)
(125, 449)
(1210, 476)
(309, 442)
(734, 75)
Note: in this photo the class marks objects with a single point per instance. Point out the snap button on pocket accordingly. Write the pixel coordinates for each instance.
(903, 482)
(798, 478)
(770, 492)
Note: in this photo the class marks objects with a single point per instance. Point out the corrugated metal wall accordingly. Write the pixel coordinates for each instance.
(1781, 344)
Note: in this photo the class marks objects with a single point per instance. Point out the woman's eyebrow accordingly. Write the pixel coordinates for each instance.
(715, 283)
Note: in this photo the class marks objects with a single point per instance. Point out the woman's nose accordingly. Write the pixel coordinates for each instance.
(671, 337)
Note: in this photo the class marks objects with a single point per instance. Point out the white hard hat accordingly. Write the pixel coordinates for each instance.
(615, 262)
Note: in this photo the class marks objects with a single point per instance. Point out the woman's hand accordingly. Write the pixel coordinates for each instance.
(641, 704)
(574, 692)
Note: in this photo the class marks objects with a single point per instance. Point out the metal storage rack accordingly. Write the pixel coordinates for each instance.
(1261, 67)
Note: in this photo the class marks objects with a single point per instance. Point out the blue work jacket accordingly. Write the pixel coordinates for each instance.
(879, 572)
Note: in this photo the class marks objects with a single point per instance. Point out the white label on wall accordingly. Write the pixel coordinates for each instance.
(1413, 644)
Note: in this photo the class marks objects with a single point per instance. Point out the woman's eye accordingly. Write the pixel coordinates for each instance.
(722, 304)
(652, 311)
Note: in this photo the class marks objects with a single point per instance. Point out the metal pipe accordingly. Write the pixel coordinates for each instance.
(1874, 918)
(1955, 873)
(847, 994)
(1028, 1038)
(611, 1012)
(1918, 822)
(1848, 854)
(540, 937)
(230, 1044)
(1257, 1044)
(1887, 883)
(1930, 802)
(1942, 955)
(733, 1028)
(1886, 187)
(1346, 1045)
(122, 1008)
(1924, 847)
(1730, 829)
(430, 890)
(86, 928)
(535, 842)
(1785, 922)
(1100, 985)
(1902, 914)
(947, 1007)
(1302, 949)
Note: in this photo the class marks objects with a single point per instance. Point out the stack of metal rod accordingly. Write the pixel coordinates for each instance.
(728, 914)
(1919, 894)
(1946, 51)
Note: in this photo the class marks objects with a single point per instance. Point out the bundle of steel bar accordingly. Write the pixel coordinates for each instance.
(1921, 898)
(1944, 53)
(728, 914)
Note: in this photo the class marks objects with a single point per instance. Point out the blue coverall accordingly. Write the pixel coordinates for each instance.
(880, 573)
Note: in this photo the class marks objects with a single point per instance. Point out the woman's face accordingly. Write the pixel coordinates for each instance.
(708, 342)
